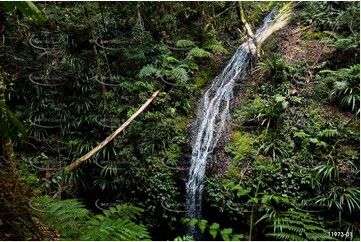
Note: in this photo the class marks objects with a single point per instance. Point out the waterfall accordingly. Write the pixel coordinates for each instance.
(214, 110)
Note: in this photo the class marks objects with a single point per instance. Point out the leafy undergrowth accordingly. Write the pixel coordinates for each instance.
(77, 77)
(73, 221)
(295, 142)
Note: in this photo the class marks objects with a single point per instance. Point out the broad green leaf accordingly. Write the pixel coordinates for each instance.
(28, 9)
(193, 222)
(266, 198)
(253, 200)
(225, 233)
(279, 98)
(171, 58)
(213, 230)
(202, 225)
(185, 220)
(237, 237)
(243, 192)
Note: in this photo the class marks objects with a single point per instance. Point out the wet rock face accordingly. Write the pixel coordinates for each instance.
(212, 127)
(220, 161)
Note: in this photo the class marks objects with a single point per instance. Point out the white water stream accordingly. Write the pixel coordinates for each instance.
(214, 108)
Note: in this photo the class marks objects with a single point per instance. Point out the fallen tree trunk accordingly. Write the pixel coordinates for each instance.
(249, 31)
(244, 21)
(76, 163)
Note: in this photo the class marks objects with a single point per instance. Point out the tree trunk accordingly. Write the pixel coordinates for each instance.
(249, 31)
(6, 143)
(99, 68)
(76, 163)
(244, 21)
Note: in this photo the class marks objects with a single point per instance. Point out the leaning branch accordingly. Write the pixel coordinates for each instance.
(244, 21)
(249, 31)
(76, 163)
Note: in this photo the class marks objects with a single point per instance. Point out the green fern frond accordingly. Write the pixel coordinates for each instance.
(104, 228)
(184, 43)
(214, 46)
(199, 53)
(123, 211)
(172, 59)
(216, 49)
(126, 85)
(286, 236)
(180, 73)
(291, 221)
(140, 84)
(331, 33)
(296, 225)
(147, 71)
(314, 227)
(74, 222)
(292, 228)
(65, 216)
(328, 133)
(319, 236)
(116, 224)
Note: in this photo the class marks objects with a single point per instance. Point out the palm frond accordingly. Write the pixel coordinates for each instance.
(10, 126)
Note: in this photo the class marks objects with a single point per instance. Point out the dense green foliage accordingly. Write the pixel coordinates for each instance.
(294, 146)
(71, 73)
(74, 222)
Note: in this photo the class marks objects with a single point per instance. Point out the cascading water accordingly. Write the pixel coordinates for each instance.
(214, 108)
